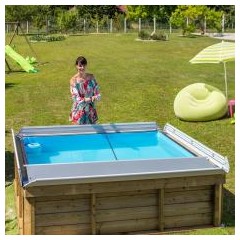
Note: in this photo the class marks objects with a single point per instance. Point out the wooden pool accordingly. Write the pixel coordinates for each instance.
(114, 179)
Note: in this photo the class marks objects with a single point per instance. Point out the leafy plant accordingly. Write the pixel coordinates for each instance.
(158, 36)
(49, 38)
(144, 35)
(190, 17)
(67, 20)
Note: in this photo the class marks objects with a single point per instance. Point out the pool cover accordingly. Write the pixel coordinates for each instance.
(140, 151)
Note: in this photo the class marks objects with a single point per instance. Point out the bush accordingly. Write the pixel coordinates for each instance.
(43, 38)
(152, 36)
(144, 35)
(187, 30)
(158, 36)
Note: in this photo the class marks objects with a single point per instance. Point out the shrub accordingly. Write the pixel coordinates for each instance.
(158, 36)
(152, 36)
(44, 38)
(187, 30)
(144, 35)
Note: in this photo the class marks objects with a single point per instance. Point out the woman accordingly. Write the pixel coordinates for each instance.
(84, 92)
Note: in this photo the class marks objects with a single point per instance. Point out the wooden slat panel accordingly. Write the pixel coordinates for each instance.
(189, 188)
(126, 201)
(21, 212)
(72, 205)
(58, 190)
(187, 208)
(77, 229)
(217, 205)
(188, 196)
(62, 218)
(127, 213)
(18, 198)
(17, 186)
(161, 209)
(20, 203)
(62, 197)
(126, 206)
(20, 226)
(93, 213)
(188, 220)
(29, 216)
(17, 202)
(134, 225)
(127, 193)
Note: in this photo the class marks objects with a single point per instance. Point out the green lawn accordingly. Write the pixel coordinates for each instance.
(138, 82)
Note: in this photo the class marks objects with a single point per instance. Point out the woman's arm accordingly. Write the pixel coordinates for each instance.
(96, 93)
(75, 95)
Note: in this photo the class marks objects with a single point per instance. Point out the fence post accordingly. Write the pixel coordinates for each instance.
(170, 27)
(111, 25)
(125, 25)
(223, 23)
(154, 24)
(84, 25)
(97, 26)
(27, 27)
(139, 24)
(205, 25)
(46, 25)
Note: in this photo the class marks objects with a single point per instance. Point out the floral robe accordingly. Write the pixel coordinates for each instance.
(84, 112)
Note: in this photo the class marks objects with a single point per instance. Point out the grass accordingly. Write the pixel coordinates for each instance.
(139, 82)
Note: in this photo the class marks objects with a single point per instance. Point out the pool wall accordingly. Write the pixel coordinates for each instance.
(146, 202)
(120, 207)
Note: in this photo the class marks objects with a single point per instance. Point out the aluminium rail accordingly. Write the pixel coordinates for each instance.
(196, 146)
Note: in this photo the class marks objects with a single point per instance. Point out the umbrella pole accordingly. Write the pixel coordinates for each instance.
(225, 77)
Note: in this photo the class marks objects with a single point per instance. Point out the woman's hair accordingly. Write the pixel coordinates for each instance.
(81, 61)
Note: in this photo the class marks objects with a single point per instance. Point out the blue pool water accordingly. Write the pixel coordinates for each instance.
(101, 148)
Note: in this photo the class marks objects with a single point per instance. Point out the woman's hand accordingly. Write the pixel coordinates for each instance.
(91, 99)
(88, 100)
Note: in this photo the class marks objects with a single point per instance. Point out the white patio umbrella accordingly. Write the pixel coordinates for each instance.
(217, 53)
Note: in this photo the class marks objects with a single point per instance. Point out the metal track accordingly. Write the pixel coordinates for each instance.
(197, 147)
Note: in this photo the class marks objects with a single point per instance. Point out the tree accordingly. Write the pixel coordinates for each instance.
(190, 17)
(161, 12)
(67, 20)
(36, 13)
(41, 12)
(181, 17)
(19, 13)
(223, 8)
(98, 11)
(214, 19)
(229, 13)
